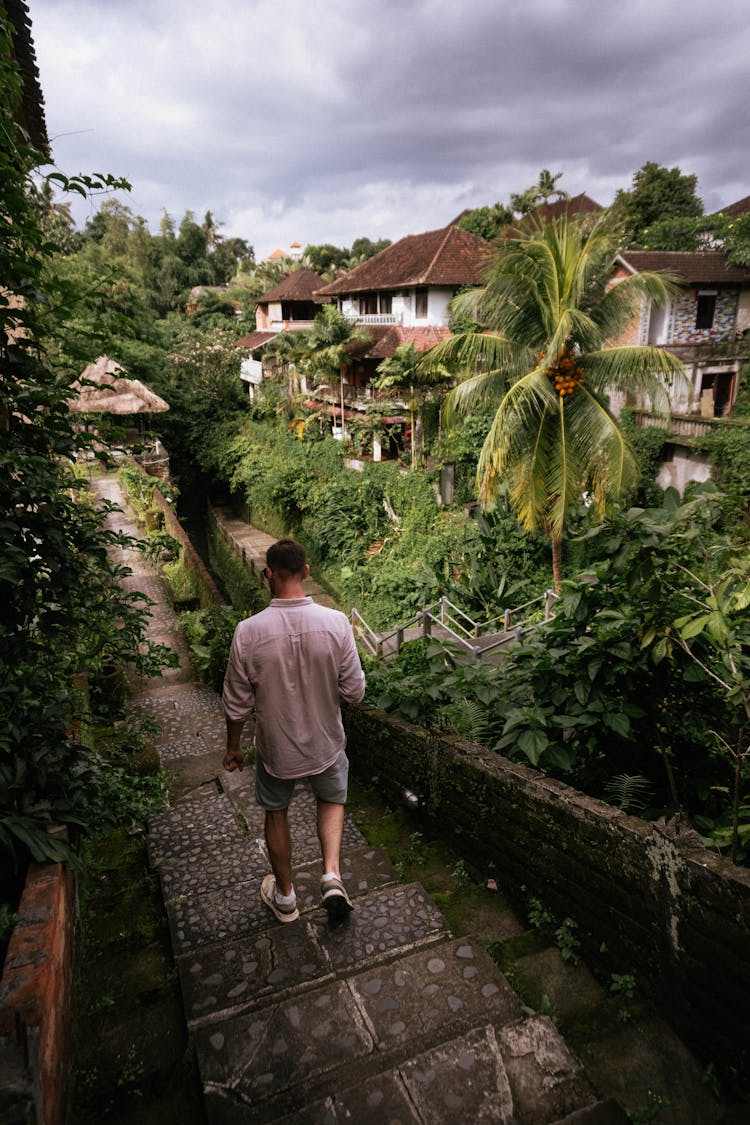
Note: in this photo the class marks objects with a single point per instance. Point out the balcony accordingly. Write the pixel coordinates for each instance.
(684, 425)
(374, 318)
(359, 397)
(727, 350)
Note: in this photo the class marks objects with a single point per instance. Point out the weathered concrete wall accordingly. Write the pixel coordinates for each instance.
(674, 914)
(35, 1000)
(208, 591)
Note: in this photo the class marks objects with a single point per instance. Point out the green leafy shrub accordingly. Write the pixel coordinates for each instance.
(64, 609)
(239, 582)
(209, 634)
(181, 580)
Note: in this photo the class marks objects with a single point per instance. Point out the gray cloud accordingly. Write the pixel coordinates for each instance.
(323, 120)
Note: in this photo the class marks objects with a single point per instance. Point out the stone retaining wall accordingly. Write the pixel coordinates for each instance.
(647, 900)
(36, 998)
(208, 591)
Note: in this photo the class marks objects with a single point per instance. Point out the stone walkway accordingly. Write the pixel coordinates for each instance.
(387, 1018)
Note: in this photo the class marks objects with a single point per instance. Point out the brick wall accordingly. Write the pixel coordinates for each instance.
(36, 999)
(666, 909)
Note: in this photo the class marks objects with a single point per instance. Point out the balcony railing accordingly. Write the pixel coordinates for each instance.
(683, 425)
(374, 318)
(710, 351)
(360, 395)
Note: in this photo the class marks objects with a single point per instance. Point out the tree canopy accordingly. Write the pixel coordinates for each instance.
(658, 196)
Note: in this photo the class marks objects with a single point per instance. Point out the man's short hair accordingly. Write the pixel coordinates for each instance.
(286, 558)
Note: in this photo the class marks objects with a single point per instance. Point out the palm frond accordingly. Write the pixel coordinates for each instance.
(477, 352)
(486, 388)
(638, 370)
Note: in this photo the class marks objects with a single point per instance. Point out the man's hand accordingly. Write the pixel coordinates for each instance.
(234, 760)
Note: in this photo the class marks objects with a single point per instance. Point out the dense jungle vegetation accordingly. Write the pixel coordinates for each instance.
(67, 625)
(637, 690)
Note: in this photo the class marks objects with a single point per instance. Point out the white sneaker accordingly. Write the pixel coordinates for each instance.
(284, 913)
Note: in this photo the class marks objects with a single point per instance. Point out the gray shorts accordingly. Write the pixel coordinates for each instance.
(275, 793)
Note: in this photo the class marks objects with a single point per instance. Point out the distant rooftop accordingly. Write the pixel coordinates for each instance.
(449, 256)
(707, 267)
(299, 285)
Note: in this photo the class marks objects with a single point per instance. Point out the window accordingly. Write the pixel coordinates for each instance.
(705, 308)
(420, 307)
(371, 304)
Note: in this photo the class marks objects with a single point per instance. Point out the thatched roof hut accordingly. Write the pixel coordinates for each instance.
(113, 393)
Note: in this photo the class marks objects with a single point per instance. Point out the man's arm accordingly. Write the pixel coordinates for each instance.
(234, 759)
(351, 676)
(238, 699)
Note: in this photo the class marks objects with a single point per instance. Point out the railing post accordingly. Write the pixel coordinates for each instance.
(443, 609)
(426, 624)
(399, 639)
(549, 599)
(507, 620)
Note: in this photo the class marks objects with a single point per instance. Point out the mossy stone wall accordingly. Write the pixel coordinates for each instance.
(208, 592)
(647, 900)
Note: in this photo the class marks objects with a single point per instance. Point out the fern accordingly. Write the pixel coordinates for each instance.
(469, 719)
(629, 792)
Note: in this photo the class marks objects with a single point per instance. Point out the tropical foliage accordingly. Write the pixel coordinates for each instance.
(546, 362)
(63, 608)
(659, 199)
(641, 674)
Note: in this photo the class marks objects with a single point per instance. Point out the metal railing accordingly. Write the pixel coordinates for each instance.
(454, 626)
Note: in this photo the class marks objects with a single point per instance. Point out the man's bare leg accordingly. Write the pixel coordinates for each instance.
(330, 831)
(279, 844)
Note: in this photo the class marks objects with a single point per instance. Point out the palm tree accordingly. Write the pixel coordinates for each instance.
(326, 349)
(404, 370)
(547, 356)
(286, 352)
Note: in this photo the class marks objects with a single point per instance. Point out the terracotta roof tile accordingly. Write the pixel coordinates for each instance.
(577, 205)
(450, 256)
(740, 207)
(299, 285)
(360, 349)
(422, 338)
(706, 267)
(30, 113)
(254, 340)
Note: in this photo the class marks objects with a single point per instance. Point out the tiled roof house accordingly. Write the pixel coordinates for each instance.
(399, 296)
(402, 293)
(289, 306)
(707, 326)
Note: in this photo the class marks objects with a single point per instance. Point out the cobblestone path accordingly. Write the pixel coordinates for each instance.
(387, 1018)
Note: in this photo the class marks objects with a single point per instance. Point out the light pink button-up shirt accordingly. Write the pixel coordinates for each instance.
(290, 663)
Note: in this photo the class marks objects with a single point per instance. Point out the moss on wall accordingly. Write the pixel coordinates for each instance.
(642, 897)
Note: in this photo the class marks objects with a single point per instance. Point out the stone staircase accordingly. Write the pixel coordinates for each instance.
(387, 1018)
(384, 1018)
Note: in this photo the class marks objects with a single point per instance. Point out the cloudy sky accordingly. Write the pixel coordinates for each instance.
(326, 120)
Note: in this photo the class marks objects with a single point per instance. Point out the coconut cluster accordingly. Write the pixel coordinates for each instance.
(566, 374)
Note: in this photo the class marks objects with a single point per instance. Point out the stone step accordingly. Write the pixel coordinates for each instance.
(388, 1011)
(276, 1070)
(199, 918)
(251, 970)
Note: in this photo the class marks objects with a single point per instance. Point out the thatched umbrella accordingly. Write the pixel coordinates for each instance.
(114, 393)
